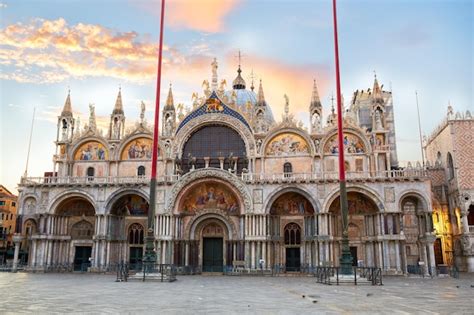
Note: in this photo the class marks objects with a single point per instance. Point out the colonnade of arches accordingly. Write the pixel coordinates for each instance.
(209, 230)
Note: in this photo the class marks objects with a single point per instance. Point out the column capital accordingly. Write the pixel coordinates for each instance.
(17, 238)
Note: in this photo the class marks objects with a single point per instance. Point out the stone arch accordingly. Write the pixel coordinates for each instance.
(349, 130)
(276, 132)
(278, 192)
(199, 222)
(192, 126)
(29, 203)
(371, 194)
(71, 193)
(233, 181)
(85, 140)
(30, 227)
(424, 201)
(115, 196)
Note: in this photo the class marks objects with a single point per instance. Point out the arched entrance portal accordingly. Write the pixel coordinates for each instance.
(209, 220)
(293, 226)
(127, 219)
(365, 228)
(76, 216)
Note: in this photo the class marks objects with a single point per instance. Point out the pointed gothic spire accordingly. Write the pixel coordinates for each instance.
(169, 100)
(376, 90)
(118, 109)
(67, 109)
(260, 95)
(315, 101)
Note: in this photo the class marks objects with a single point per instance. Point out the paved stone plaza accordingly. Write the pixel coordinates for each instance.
(90, 293)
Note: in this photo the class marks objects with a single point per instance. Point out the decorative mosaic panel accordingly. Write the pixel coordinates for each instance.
(91, 151)
(138, 149)
(357, 203)
(352, 145)
(287, 144)
(292, 203)
(131, 205)
(210, 195)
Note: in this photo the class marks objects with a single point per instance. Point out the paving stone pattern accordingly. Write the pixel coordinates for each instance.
(97, 294)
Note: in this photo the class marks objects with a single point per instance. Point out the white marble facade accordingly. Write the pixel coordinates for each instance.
(228, 172)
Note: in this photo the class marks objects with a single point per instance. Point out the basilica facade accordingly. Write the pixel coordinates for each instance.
(235, 186)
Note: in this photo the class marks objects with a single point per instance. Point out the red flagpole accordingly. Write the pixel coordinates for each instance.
(340, 135)
(157, 97)
(345, 260)
(150, 254)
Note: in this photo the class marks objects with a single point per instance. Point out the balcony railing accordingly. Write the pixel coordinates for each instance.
(92, 180)
(291, 177)
(471, 228)
(412, 174)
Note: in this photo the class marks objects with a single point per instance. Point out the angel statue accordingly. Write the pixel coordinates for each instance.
(206, 89)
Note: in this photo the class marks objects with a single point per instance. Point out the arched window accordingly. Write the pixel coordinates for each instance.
(90, 173)
(141, 170)
(292, 234)
(222, 145)
(450, 166)
(135, 234)
(287, 169)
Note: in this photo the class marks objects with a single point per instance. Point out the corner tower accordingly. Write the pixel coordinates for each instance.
(117, 119)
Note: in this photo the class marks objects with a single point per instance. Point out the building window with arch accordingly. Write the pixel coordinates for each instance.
(141, 170)
(135, 234)
(287, 169)
(214, 146)
(90, 173)
(450, 166)
(292, 234)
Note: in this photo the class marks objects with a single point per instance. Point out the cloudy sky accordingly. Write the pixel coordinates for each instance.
(93, 47)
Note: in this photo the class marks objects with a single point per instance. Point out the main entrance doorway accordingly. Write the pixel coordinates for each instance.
(438, 252)
(293, 259)
(136, 256)
(212, 260)
(81, 258)
(353, 250)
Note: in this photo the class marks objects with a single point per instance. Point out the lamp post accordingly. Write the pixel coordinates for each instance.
(345, 261)
(150, 254)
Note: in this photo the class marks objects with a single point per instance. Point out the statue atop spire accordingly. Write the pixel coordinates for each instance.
(260, 95)
(92, 122)
(214, 66)
(287, 105)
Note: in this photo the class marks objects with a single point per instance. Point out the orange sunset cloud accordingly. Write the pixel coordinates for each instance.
(200, 15)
